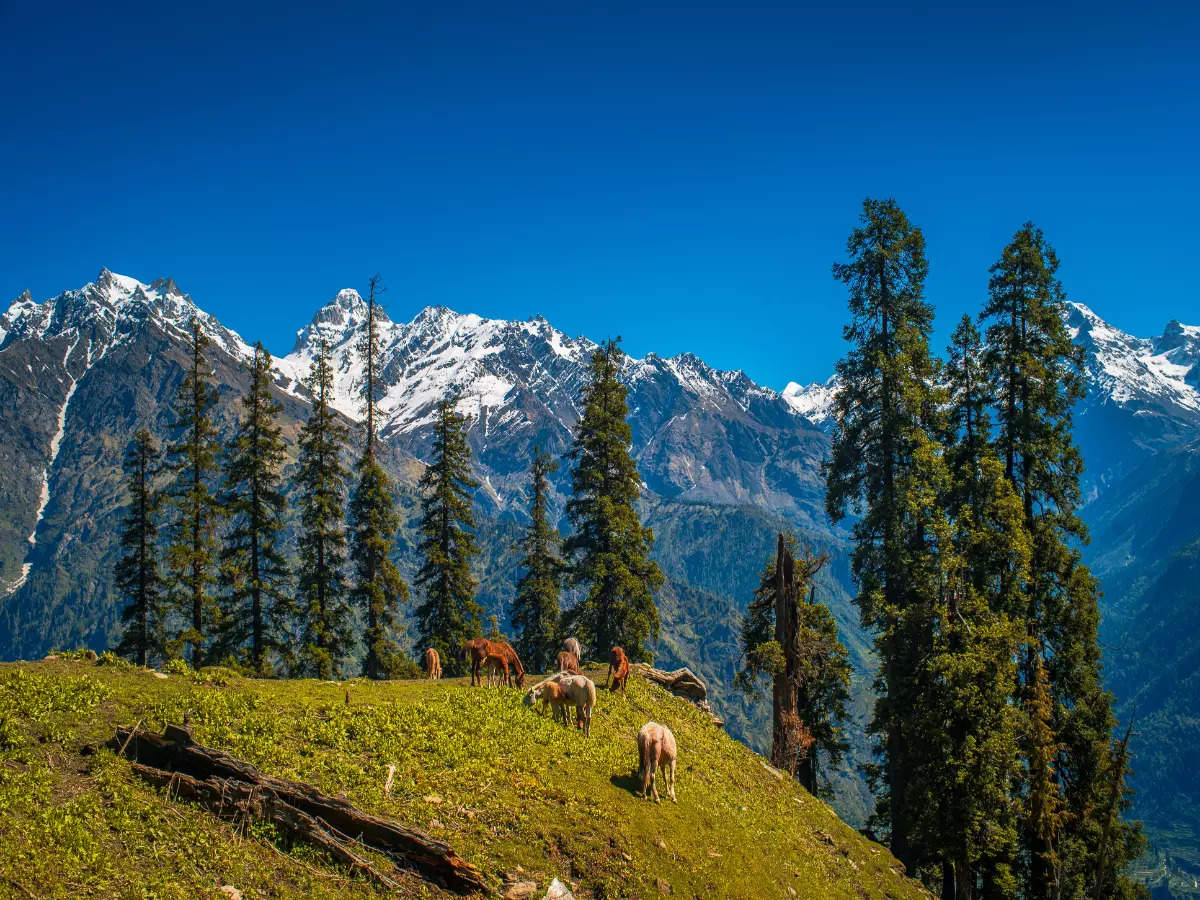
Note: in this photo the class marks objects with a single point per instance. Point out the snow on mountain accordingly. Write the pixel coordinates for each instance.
(499, 368)
(813, 401)
(101, 307)
(1131, 371)
(1159, 375)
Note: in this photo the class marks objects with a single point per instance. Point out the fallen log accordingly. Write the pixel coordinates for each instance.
(682, 682)
(232, 788)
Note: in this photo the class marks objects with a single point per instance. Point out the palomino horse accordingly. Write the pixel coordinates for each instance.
(496, 654)
(618, 669)
(433, 664)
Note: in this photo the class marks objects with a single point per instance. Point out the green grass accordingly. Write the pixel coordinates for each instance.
(504, 786)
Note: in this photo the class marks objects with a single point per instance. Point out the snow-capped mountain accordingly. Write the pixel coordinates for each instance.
(1147, 373)
(1141, 392)
(98, 310)
(699, 433)
(813, 401)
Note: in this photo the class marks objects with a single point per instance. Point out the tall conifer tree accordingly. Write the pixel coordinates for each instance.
(378, 589)
(137, 576)
(257, 601)
(535, 611)
(195, 513)
(449, 615)
(609, 547)
(321, 478)
(1038, 374)
(881, 410)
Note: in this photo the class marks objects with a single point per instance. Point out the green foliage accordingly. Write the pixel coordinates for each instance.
(1037, 372)
(321, 482)
(609, 548)
(449, 614)
(535, 611)
(503, 785)
(808, 664)
(137, 575)
(195, 512)
(256, 598)
(378, 589)
(883, 411)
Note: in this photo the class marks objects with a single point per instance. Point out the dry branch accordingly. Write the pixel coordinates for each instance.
(233, 788)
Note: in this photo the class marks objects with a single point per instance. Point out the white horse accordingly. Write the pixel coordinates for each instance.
(656, 750)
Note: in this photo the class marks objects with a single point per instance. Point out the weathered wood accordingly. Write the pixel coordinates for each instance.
(339, 819)
(234, 801)
(681, 682)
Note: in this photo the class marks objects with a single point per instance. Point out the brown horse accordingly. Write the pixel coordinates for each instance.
(433, 664)
(568, 662)
(478, 650)
(618, 669)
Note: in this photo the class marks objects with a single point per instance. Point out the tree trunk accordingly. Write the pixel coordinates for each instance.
(233, 788)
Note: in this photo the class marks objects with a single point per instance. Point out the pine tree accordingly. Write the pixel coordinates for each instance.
(797, 644)
(257, 604)
(972, 728)
(609, 548)
(881, 410)
(321, 479)
(1037, 372)
(535, 610)
(449, 616)
(378, 589)
(195, 512)
(137, 575)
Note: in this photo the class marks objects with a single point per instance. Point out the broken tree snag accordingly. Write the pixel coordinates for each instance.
(232, 787)
(682, 682)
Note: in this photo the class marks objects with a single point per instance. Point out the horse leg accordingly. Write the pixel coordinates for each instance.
(672, 782)
(654, 772)
(643, 770)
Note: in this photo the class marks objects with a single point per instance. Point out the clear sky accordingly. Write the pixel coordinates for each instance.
(682, 176)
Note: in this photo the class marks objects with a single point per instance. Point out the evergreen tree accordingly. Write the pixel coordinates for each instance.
(972, 727)
(535, 610)
(195, 513)
(449, 616)
(137, 575)
(321, 478)
(809, 665)
(256, 601)
(1037, 372)
(378, 589)
(609, 548)
(882, 410)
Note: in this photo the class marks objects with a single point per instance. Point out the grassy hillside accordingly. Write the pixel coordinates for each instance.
(503, 786)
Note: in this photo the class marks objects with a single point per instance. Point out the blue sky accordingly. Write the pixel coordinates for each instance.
(681, 176)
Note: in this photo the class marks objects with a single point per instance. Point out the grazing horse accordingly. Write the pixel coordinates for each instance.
(552, 695)
(433, 664)
(618, 669)
(476, 651)
(568, 662)
(572, 646)
(656, 750)
(515, 662)
(580, 692)
(480, 651)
